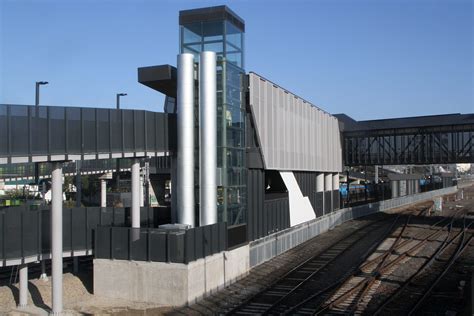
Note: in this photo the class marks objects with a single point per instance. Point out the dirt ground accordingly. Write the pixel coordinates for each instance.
(78, 298)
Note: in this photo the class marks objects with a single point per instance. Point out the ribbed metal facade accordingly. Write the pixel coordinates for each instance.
(294, 134)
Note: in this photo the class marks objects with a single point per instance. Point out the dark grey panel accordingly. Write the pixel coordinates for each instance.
(217, 13)
(138, 244)
(18, 130)
(120, 243)
(74, 135)
(336, 200)
(319, 203)
(255, 194)
(39, 129)
(30, 227)
(327, 202)
(67, 232)
(4, 130)
(89, 131)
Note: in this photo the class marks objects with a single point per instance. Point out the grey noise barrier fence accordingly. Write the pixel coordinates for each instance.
(25, 231)
(168, 245)
(46, 133)
(266, 248)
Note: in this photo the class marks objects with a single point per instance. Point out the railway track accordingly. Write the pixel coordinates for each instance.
(303, 289)
(416, 289)
(305, 278)
(358, 291)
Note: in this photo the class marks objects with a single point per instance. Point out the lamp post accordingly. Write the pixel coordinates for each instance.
(37, 101)
(118, 160)
(37, 96)
(118, 99)
(43, 275)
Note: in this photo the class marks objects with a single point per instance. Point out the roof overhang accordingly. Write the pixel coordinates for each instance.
(162, 78)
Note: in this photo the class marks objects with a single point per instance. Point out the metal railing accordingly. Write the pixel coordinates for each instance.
(270, 246)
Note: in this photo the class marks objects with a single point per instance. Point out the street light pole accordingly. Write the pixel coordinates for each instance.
(37, 101)
(117, 171)
(37, 96)
(118, 99)
(43, 275)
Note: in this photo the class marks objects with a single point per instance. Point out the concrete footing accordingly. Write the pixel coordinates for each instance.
(173, 284)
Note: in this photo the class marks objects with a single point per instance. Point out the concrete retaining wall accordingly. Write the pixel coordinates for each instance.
(266, 248)
(174, 284)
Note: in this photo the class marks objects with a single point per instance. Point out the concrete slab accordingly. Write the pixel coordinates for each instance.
(174, 284)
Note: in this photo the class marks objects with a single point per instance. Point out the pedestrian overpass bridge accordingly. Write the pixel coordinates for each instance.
(423, 140)
(56, 133)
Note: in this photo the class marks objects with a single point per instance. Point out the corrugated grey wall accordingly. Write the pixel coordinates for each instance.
(294, 134)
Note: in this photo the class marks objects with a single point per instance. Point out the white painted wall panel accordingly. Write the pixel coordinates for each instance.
(300, 207)
(294, 134)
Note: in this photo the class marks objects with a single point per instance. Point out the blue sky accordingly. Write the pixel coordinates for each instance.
(368, 59)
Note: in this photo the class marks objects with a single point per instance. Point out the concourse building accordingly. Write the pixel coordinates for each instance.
(270, 145)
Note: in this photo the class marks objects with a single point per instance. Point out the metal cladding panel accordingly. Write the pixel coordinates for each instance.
(294, 134)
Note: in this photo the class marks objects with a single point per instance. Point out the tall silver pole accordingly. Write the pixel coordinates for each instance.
(207, 138)
(184, 188)
(394, 185)
(57, 238)
(23, 299)
(103, 193)
(136, 193)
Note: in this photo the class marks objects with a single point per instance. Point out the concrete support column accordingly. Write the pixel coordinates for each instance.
(103, 193)
(135, 193)
(320, 182)
(394, 184)
(23, 297)
(57, 239)
(335, 181)
(142, 200)
(376, 177)
(417, 186)
(207, 138)
(328, 182)
(183, 187)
